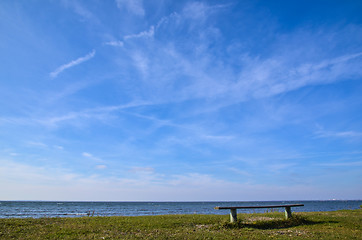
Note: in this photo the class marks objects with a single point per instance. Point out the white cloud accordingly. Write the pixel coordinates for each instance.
(260, 78)
(72, 64)
(101, 167)
(85, 154)
(213, 76)
(59, 147)
(341, 164)
(342, 134)
(115, 43)
(78, 8)
(200, 11)
(148, 34)
(14, 172)
(100, 113)
(142, 169)
(240, 172)
(76, 118)
(216, 138)
(141, 62)
(133, 6)
(275, 75)
(25, 182)
(37, 144)
(90, 156)
(53, 121)
(81, 11)
(195, 10)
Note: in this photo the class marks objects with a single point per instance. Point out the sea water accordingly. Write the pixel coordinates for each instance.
(38, 209)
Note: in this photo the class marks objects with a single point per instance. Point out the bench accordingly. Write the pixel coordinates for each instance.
(288, 211)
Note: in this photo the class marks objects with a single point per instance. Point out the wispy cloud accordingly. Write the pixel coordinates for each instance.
(101, 166)
(58, 147)
(141, 62)
(73, 63)
(342, 164)
(90, 156)
(261, 78)
(216, 138)
(142, 169)
(240, 172)
(133, 6)
(69, 90)
(99, 113)
(200, 10)
(208, 75)
(37, 144)
(275, 76)
(115, 43)
(80, 10)
(342, 134)
(148, 33)
(48, 183)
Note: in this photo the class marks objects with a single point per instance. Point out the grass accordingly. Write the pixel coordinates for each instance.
(344, 224)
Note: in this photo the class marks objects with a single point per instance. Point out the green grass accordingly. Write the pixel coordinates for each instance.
(345, 224)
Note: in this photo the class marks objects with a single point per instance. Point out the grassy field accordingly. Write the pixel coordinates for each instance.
(345, 224)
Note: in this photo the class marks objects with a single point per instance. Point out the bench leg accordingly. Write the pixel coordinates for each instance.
(233, 215)
(288, 212)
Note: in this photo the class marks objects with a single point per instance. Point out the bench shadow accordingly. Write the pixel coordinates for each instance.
(275, 224)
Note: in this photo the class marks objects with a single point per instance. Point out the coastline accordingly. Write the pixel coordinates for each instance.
(38, 209)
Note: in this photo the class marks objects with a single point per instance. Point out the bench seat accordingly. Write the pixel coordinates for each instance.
(233, 214)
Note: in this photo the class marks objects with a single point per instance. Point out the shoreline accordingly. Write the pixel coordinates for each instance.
(31, 209)
(224, 213)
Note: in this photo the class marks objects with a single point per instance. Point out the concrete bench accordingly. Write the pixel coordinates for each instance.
(288, 211)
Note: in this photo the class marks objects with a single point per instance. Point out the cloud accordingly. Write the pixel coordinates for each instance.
(99, 113)
(240, 172)
(72, 64)
(70, 89)
(59, 147)
(199, 10)
(259, 78)
(81, 10)
(141, 62)
(196, 10)
(28, 174)
(341, 164)
(46, 183)
(133, 6)
(53, 121)
(142, 169)
(343, 134)
(90, 156)
(148, 34)
(216, 138)
(239, 74)
(78, 8)
(37, 144)
(101, 167)
(276, 75)
(76, 118)
(115, 43)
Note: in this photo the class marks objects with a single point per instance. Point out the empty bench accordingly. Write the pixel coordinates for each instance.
(288, 211)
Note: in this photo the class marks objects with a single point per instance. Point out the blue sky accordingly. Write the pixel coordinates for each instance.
(127, 100)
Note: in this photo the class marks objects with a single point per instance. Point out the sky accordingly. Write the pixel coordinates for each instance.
(161, 100)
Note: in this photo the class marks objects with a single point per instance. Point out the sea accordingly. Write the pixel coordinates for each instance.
(40, 209)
